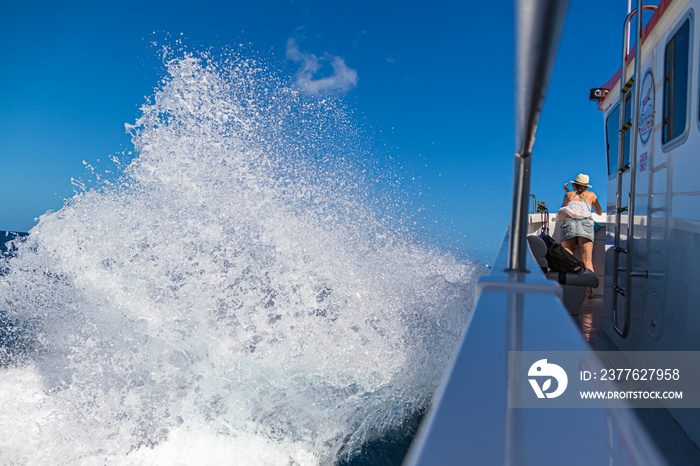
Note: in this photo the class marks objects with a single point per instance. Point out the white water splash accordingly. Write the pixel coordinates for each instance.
(233, 298)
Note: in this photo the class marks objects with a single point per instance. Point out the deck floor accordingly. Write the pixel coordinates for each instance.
(670, 438)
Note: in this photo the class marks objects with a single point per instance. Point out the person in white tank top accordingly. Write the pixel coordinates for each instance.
(577, 226)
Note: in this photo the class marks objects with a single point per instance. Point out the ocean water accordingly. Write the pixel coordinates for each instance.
(234, 295)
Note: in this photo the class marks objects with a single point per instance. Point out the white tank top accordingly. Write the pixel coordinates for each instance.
(574, 209)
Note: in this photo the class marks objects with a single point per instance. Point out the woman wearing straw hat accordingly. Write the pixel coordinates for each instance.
(576, 214)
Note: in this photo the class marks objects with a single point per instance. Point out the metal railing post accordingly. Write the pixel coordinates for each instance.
(539, 25)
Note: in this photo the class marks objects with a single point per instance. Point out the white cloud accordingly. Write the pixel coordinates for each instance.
(342, 79)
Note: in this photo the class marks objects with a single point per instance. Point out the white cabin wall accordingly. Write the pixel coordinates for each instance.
(656, 300)
(665, 312)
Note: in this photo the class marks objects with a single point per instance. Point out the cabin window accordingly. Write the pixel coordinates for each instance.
(676, 61)
(612, 130)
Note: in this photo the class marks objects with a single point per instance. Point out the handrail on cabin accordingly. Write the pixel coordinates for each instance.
(626, 39)
(539, 25)
(633, 165)
(624, 331)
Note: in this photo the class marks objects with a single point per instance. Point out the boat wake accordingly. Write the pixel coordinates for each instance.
(232, 298)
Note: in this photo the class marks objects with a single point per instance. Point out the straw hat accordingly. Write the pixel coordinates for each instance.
(582, 180)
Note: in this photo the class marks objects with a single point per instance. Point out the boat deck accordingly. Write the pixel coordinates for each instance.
(589, 320)
(671, 440)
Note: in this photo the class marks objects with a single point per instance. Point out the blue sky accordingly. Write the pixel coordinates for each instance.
(431, 83)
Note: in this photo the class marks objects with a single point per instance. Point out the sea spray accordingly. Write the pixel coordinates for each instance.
(232, 297)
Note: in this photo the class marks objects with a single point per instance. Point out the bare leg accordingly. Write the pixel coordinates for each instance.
(569, 244)
(586, 246)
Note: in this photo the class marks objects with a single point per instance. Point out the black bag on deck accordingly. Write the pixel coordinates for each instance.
(561, 260)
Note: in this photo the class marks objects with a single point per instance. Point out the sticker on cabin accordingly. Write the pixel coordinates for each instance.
(643, 162)
(646, 108)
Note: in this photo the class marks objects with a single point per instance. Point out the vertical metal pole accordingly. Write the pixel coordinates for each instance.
(629, 10)
(624, 331)
(620, 170)
(633, 167)
(634, 135)
(521, 196)
(539, 25)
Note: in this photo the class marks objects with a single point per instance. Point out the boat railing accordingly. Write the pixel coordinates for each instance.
(473, 419)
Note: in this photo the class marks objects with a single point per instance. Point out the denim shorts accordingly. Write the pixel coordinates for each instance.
(582, 227)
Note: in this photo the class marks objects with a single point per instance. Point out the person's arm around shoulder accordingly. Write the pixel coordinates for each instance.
(597, 208)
